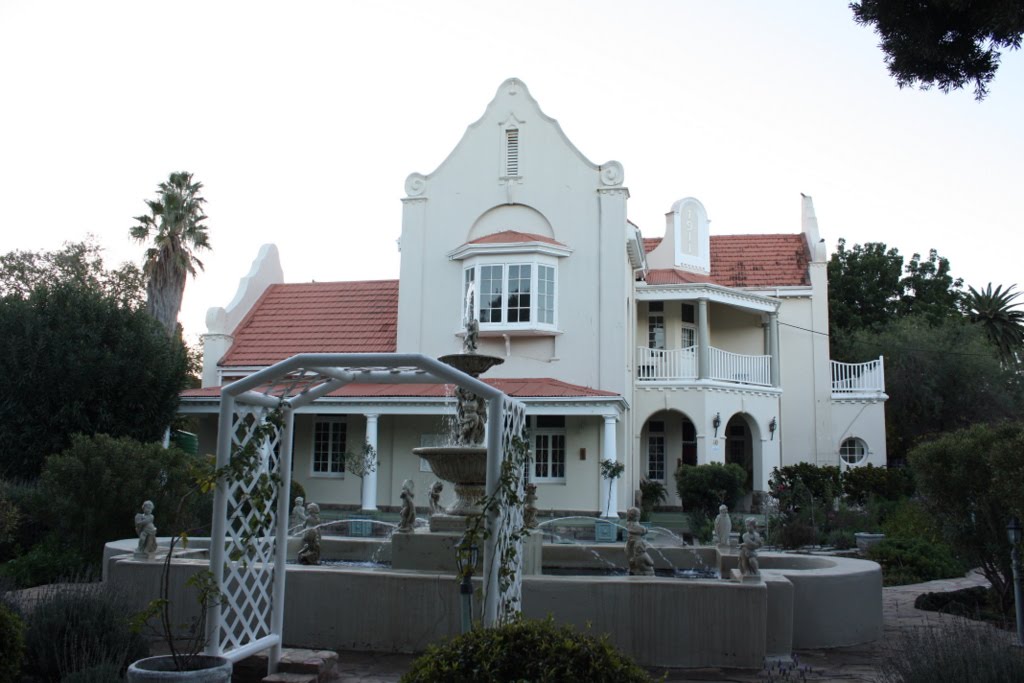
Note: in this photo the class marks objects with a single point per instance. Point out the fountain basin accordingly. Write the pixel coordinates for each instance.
(465, 467)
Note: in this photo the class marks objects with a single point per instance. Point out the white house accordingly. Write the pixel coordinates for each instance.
(685, 348)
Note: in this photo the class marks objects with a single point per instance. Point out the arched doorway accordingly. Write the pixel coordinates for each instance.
(668, 440)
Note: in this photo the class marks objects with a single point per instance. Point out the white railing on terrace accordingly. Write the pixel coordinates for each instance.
(735, 367)
(662, 365)
(858, 378)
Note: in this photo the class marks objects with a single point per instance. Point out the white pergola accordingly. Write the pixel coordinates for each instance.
(251, 618)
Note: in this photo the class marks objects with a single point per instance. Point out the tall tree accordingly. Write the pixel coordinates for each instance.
(944, 43)
(1000, 317)
(929, 289)
(176, 229)
(863, 290)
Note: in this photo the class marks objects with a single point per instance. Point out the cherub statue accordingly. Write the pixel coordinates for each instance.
(408, 515)
(313, 517)
(723, 526)
(748, 550)
(309, 553)
(640, 562)
(530, 506)
(472, 416)
(146, 531)
(297, 521)
(435, 498)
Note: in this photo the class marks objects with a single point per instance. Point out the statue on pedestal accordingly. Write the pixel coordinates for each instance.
(309, 553)
(146, 531)
(749, 545)
(530, 506)
(408, 515)
(434, 500)
(640, 562)
(723, 527)
(297, 520)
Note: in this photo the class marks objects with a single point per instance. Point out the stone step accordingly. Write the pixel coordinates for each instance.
(290, 678)
(315, 665)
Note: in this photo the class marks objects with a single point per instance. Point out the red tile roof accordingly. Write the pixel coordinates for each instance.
(512, 237)
(745, 261)
(540, 387)
(317, 317)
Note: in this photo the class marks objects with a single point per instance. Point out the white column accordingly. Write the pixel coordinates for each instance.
(609, 495)
(773, 335)
(703, 340)
(370, 480)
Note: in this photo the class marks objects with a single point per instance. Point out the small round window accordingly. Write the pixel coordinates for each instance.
(853, 451)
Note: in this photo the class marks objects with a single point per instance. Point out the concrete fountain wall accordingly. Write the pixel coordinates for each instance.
(804, 601)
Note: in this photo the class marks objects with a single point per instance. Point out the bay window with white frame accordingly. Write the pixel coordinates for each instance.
(515, 295)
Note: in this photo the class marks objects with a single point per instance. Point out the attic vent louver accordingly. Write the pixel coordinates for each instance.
(511, 152)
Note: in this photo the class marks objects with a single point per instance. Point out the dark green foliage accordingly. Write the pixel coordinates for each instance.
(962, 478)
(841, 539)
(76, 361)
(25, 498)
(910, 520)
(868, 287)
(704, 487)
(1001, 318)
(77, 627)
(524, 651)
(939, 377)
(950, 651)
(888, 483)
(48, 561)
(652, 492)
(795, 532)
(12, 645)
(974, 602)
(805, 484)
(944, 43)
(296, 491)
(914, 561)
(130, 472)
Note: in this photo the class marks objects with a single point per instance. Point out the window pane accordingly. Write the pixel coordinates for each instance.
(689, 337)
(688, 316)
(329, 447)
(656, 331)
(519, 294)
(656, 456)
(490, 294)
(546, 295)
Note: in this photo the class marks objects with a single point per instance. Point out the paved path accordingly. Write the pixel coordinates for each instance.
(858, 664)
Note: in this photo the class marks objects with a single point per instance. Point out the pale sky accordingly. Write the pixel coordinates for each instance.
(302, 119)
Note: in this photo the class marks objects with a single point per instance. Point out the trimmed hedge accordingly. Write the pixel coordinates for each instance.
(525, 650)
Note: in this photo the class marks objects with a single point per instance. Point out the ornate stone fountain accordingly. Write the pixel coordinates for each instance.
(464, 463)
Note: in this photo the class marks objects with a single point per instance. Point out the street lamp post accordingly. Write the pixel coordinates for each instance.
(465, 560)
(1013, 532)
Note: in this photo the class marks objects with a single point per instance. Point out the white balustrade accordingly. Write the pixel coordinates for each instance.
(858, 378)
(736, 367)
(655, 365)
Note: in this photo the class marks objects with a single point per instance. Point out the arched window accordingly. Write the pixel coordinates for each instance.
(853, 451)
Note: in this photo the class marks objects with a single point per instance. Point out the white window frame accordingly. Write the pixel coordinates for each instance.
(549, 432)
(651, 435)
(858, 449)
(535, 262)
(688, 328)
(332, 420)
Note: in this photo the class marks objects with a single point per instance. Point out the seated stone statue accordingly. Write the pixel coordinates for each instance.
(146, 531)
(309, 553)
(749, 545)
(640, 562)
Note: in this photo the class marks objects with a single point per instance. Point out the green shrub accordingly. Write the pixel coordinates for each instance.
(951, 651)
(125, 472)
(652, 492)
(26, 499)
(705, 487)
(78, 627)
(524, 651)
(46, 562)
(888, 483)
(12, 645)
(914, 561)
(976, 602)
(805, 485)
(909, 520)
(840, 539)
(796, 532)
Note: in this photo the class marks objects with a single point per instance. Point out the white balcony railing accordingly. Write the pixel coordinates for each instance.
(858, 378)
(735, 367)
(654, 365)
(680, 365)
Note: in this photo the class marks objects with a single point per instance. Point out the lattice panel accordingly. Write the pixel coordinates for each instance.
(514, 449)
(247, 577)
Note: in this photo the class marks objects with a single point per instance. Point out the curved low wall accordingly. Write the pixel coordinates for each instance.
(804, 602)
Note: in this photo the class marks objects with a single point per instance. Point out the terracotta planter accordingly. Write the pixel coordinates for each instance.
(212, 670)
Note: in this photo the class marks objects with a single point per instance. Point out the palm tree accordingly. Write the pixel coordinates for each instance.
(995, 311)
(176, 225)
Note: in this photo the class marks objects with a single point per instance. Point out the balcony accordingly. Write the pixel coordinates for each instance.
(681, 365)
(852, 380)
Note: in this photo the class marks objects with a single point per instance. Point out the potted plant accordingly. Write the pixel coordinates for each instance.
(651, 493)
(185, 641)
(361, 463)
(607, 531)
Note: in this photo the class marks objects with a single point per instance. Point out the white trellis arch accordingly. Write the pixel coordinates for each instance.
(251, 618)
